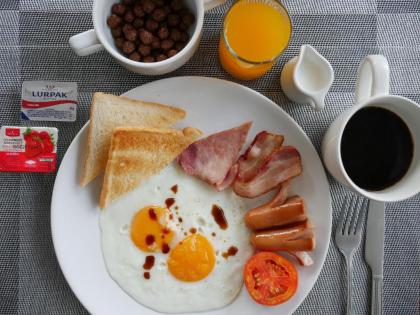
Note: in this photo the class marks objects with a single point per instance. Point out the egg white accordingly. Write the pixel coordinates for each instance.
(163, 292)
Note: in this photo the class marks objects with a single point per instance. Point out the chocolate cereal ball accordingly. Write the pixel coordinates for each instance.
(114, 21)
(156, 43)
(182, 26)
(176, 35)
(149, 59)
(118, 9)
(161, 57)
(152, 25)
(116, 32)
(130, 32)
(188, 19)
(173, 19)
(163, 32)
(135, 56)
(146, 37)
(138, 23)
(138, 11)
(159, 14)
(167, 9)
(176, 5)
(119, 43)
(148, 6)
(159, 3)
(167, 44)
(144, 50)
(129, 16)
(172, 53)
(128, 47)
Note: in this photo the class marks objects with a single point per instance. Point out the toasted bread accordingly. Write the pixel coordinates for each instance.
(138, 153)
(110, 111)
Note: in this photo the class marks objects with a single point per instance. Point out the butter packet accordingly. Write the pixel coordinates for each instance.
(49, 101)
(28, 149)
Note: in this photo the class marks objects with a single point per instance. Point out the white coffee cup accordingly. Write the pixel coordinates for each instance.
(372, 87)
(100, 38)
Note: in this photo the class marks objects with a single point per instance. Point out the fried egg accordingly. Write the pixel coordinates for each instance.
(176, 245)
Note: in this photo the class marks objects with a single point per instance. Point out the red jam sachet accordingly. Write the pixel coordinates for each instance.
(28, 149)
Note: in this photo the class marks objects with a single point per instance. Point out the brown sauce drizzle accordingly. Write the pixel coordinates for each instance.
(165, 248)
(146, 275)
(171, 216)
(149, 262)
(174, 189)
(219, 217)
(230, 252)
(193, 230)
(176, 208)
(150, 239)
(213, 234)
(169, 202)
(152, 214)
(180, 220)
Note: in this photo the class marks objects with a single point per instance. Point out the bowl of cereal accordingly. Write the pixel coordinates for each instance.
(149, 37)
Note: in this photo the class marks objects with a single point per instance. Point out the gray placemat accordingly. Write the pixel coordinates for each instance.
(33, 45)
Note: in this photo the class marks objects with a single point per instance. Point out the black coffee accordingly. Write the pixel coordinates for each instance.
(376, 148)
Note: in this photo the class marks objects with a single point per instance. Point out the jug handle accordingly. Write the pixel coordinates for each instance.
(372, 78)
(317, 102)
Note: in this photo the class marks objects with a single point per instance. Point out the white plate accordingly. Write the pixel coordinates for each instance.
(212, 105)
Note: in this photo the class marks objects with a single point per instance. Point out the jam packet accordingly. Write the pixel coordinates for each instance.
(49, 101)
(28, 149)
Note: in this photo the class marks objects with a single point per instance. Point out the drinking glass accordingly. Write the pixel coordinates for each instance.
(255, 33)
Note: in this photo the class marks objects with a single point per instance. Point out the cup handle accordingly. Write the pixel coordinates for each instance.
(210, 4)
(85, 43)
(372, 78)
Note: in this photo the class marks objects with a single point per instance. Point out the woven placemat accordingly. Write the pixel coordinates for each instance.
(33, 46)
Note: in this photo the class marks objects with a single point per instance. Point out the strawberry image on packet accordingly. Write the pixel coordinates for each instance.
(28, 149)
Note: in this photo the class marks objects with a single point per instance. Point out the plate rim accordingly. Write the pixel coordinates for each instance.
(157, 82)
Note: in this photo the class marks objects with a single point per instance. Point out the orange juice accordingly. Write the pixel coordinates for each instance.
(255, 33)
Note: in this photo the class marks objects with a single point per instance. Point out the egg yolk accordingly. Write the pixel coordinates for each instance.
(148, 229)
(192, 259)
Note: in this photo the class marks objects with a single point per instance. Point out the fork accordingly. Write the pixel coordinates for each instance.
(348, 235)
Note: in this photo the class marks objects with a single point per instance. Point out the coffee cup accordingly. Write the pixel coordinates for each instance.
(372, 91)
(100, 38)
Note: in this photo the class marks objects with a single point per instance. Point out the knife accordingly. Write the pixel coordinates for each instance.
(374, 251)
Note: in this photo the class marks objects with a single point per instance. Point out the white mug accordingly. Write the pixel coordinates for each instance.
(372, 87)
(100, 38)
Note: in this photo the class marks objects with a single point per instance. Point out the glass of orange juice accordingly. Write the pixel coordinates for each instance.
(255, 33)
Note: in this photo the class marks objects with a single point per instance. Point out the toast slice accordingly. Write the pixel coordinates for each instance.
(138, 153)
(108, 112)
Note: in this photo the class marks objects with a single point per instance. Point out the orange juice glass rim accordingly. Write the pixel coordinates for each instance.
(230, 49)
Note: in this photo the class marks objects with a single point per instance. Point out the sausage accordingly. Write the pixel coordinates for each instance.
(278, 199)
(289, 232)
(275, 241)
(293, 210)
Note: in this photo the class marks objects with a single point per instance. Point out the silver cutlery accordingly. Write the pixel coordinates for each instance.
(348, 235)
(374, 251)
